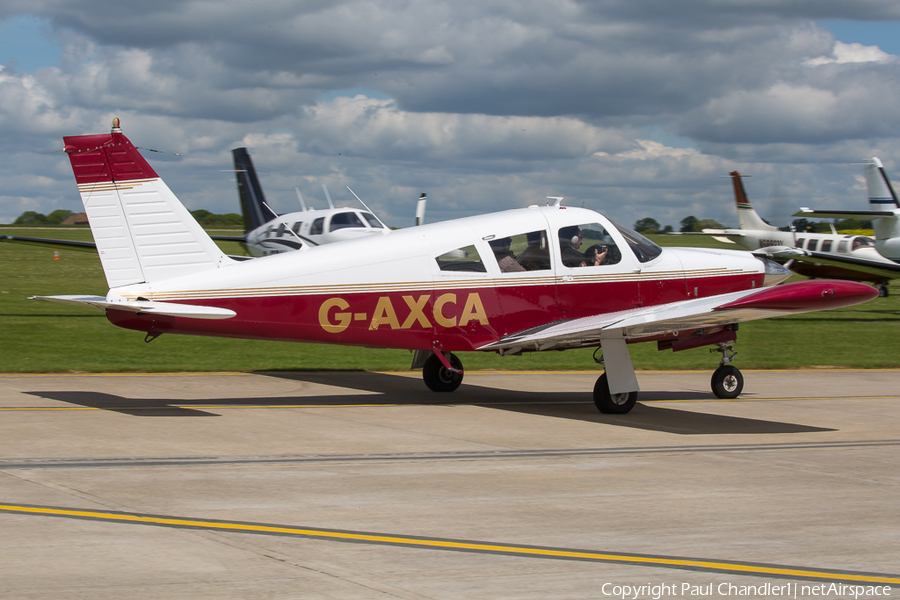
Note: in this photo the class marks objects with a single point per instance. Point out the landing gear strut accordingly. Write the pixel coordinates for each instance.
(438, 377)
(727, 381)
(612, 404)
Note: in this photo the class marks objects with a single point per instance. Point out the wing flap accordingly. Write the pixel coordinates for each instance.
(171, 309)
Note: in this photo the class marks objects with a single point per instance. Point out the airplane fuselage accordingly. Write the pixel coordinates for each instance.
(440, 286)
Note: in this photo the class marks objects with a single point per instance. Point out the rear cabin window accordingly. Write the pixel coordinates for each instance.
(521, 252)
(344, 220)
(465, 259)
(316, 228)
(800, 242)
(813, 245)
(826, 245)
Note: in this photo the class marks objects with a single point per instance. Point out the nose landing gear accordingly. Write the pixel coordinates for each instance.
(727, 381)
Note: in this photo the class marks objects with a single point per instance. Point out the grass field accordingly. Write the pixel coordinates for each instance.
(39, 337)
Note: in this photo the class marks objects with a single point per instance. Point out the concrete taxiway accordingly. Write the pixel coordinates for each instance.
(366, 485)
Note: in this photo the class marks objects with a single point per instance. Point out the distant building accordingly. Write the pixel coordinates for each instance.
(76, 219)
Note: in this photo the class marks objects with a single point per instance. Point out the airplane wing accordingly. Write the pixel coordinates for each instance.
(873, 267)
(143, 306)
(845, 214)
(687, 315)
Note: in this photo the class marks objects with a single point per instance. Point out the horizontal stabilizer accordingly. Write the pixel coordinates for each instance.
(170, 309)
(48, 242)
(845, 214)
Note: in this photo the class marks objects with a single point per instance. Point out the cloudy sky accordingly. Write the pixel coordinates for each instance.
(635, 108)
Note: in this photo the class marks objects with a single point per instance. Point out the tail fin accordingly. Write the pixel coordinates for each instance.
(143, 233)
(249, 190)
(747, 215)
(881, 192)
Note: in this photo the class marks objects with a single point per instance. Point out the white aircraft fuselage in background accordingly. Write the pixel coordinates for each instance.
(758, 236)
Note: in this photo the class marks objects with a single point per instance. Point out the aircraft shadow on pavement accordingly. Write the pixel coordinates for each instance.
(565, 405)
(388, 389)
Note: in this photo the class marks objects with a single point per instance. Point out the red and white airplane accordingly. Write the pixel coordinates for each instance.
(531, 279)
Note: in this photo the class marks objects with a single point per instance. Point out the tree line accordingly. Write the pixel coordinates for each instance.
(204, 217)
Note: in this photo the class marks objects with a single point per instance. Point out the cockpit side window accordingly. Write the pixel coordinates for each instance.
(344, 220)
(587, 245)
(644, 250)
(317, 226)
(461, 259)
(862, 242)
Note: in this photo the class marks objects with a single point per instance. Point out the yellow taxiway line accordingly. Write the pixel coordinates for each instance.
(737, 568)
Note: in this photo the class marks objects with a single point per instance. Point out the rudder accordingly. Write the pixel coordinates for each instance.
(143, 233)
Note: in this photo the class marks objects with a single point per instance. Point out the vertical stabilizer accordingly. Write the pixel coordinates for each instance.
(143, 233)
(249, 190)
(881, 192)
(747, 215)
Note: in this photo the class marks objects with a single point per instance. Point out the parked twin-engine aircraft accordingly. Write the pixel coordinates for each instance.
(267, 233)
(531, 279)
(885, 216)
(759, 237)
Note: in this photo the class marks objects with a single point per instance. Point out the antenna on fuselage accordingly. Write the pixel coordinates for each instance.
(367, 208)
(558, 199)
(300, 197)
(328, 197)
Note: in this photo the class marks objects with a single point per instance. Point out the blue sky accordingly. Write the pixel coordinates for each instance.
(631, 111)
(26, 40)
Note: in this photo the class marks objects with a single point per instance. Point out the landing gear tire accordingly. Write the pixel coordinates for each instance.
(440, 379)
(612, 404)
(727, 382)
(882, 291)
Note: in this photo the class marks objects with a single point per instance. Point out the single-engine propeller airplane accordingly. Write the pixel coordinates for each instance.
(523, 280)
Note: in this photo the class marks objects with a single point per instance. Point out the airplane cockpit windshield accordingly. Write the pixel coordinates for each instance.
(373, 222)
(644, 250)
(344, 220)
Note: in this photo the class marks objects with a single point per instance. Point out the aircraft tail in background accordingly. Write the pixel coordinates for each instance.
(748, 218)
(250, 191)
(881, 192)
(143, 233)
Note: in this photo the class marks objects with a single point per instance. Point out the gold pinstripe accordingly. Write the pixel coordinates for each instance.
(427, 286)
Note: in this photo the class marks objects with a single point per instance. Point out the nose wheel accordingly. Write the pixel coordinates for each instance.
(727, 382)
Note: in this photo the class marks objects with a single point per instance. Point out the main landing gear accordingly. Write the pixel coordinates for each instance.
(612, 404)
(442, 372)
